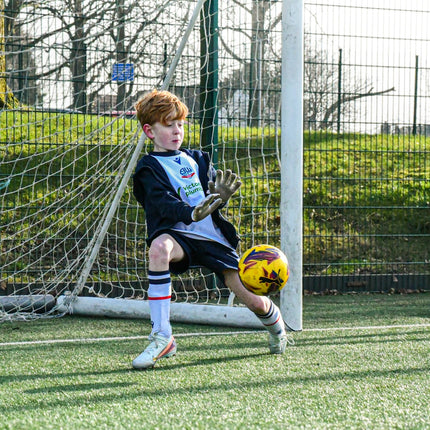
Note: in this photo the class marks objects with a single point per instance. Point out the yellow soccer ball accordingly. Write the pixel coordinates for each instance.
(263, 270)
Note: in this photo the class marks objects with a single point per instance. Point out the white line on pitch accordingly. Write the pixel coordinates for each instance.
(124, 338)
(119, 338)
(376, 327)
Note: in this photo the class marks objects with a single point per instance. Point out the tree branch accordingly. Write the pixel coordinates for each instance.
(345, 99)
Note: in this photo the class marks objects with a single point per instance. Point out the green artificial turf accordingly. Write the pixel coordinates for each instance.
(361, 362)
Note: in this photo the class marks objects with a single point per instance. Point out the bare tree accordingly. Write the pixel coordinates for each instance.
(323, 102)
(324, 99)
(85, 38)
(73, 17)
(7, 99)
(259, 40)
(255, 65)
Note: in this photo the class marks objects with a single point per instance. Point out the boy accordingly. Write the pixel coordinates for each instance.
(182, 194)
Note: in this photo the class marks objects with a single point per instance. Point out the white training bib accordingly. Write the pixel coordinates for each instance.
(183, 173)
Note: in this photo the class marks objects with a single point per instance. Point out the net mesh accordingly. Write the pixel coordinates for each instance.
(69, 135)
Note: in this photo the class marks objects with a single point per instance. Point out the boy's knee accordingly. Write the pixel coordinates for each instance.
(159, 251)
(258, 306)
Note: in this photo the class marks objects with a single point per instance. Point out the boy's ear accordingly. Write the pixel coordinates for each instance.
(148, 131)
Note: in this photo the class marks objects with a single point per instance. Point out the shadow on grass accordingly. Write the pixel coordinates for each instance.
(300, 341)
(366, 338)
(20, 378)
(47, 376)
(80, 387)
(87, 394)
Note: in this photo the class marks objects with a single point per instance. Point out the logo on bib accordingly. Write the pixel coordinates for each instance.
(186, 172)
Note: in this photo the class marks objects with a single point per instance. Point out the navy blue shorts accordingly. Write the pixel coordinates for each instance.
(203, 253)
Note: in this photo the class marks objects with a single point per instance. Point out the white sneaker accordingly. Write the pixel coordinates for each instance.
(160, 347)
(278, 342)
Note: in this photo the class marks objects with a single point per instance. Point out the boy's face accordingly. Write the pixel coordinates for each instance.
(166, 137)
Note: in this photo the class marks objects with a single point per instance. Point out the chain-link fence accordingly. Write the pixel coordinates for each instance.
(367, 176)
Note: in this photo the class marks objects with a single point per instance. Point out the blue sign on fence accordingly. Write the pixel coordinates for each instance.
(122, 72)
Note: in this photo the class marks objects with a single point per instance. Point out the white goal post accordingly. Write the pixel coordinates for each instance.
(292, 159)
(73, 235)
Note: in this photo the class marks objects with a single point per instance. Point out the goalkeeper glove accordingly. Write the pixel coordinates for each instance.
(226, 184)
(206, 207)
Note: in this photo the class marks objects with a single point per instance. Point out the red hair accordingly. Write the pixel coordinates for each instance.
(160, 106)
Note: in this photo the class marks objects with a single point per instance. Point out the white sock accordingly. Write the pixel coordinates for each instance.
(159, 295)
(273, 320)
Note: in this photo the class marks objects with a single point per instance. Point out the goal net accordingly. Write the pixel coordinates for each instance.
(72, 234)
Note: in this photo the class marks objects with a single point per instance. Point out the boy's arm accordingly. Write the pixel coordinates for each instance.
(159, 200)
(226, 184)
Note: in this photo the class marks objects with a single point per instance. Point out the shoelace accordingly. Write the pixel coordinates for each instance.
(153, 345)
(290, 339)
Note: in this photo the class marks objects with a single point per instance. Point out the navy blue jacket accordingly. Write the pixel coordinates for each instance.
(163, 207)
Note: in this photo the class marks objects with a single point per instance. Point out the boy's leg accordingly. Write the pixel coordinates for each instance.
(163, 250)
(159, 296)
(265, 310)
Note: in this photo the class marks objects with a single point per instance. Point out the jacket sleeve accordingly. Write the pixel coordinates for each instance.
(162, 205)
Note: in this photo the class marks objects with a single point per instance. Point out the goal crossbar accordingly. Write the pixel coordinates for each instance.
(222, 315)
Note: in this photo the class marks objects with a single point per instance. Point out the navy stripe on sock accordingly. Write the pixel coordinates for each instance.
(269, 313)
(159, 281)
(163, 273)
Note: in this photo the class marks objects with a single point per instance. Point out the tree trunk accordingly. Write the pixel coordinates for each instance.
(121, 55)
(7, 99)
(79, 60)
(258, 43)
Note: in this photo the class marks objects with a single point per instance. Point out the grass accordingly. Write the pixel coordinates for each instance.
(337, 375)
(365, 197)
